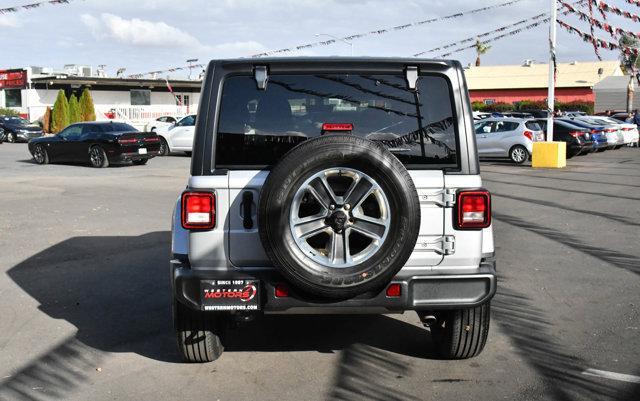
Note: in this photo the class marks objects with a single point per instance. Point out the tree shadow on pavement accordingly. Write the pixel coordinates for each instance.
(613, 257)
(528, 329)
(116, 291)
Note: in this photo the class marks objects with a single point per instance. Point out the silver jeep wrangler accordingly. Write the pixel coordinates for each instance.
(331, 185)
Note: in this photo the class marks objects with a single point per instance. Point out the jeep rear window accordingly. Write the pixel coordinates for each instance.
(257, 127)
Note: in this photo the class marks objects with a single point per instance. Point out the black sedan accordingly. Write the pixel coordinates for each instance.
(578, 139)
(99, 143)
(17, 129)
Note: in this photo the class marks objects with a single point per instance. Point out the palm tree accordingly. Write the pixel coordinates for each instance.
(630, 63)
(481, 48)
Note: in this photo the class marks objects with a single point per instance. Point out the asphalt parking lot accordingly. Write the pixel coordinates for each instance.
(84, 297)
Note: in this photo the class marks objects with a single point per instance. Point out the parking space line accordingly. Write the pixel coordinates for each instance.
(612, 375)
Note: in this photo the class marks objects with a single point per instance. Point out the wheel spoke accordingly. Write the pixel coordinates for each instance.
(358, 192)
(372, 228)
(321, 190)
(340, 248)
(310, 226)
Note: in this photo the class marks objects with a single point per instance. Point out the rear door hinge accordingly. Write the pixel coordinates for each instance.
(443, 198)
(445, 245)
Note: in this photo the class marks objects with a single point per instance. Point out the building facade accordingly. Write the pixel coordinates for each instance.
(136, 101)
(529, 81)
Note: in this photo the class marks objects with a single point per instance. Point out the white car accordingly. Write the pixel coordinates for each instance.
(179, 137)
(507, 137)
(164, 122)
(629, 130)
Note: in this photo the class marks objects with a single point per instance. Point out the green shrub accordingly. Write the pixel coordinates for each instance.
(87, 110)
(498, 107)
(74, 110)
(60, 115)
(8, 112)
(478, 106)
(525, 105)
(576, 105)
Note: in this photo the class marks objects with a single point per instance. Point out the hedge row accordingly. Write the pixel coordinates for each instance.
(524, 105)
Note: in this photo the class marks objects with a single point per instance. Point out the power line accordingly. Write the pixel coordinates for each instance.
(384, 30)
(347, 38)
(533, 25)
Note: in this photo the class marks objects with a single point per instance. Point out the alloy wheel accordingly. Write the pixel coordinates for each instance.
(518, 155)
(38, 154)
(339, 217)
(97, 157)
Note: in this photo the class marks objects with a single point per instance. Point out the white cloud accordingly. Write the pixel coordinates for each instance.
(139, 32)
(238, 49)
(9, 21)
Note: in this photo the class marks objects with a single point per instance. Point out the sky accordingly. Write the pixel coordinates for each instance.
(147, 35)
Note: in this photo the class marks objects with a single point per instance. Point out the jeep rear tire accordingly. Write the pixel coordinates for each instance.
(339, 216)
(461, 333)
(200, 334)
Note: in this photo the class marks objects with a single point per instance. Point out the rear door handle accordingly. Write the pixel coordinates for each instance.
(247, 203)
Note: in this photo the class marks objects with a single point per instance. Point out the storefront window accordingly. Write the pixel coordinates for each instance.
(13, 97)
(140, 97)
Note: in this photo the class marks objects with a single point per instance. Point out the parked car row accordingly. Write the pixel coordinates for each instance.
(512, 138)
(102, 143)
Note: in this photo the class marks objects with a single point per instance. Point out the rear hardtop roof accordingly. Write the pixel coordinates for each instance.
(354, 63)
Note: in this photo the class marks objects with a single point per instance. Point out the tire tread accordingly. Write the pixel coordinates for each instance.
(199, 334)
(452, 338)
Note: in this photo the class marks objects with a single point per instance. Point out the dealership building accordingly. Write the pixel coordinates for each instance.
(530, 81)
(31, 90)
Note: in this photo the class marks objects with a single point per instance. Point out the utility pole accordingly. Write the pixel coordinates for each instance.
(191, 65)
(552, 69)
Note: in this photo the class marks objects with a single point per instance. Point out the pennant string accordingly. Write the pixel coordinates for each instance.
(31, 6)
(385, 30)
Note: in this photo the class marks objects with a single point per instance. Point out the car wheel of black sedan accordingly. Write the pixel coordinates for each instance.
(11, 137)
(40, 155)
(98, 157)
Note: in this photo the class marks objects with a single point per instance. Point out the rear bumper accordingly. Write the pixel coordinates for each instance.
(426, 292)
(127, 157)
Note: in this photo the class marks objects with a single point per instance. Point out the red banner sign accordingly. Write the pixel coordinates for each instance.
(13, 79)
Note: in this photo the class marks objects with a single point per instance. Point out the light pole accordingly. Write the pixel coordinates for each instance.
(337, 38)
(191, 65)
(552, 69)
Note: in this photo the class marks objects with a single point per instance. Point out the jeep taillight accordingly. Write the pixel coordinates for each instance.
(198, 210)
(473, 209)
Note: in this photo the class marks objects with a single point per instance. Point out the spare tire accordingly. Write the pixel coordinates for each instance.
(339, 216)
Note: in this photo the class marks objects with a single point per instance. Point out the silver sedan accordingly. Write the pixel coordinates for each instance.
(507, 138)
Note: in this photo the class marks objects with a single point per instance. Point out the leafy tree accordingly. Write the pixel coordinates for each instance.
(481, 49)
(74, 110)
(60, 115)
(630, 62)
(46, 120)
(87, 110)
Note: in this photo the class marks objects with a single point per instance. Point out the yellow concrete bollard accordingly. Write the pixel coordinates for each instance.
(549, 155)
